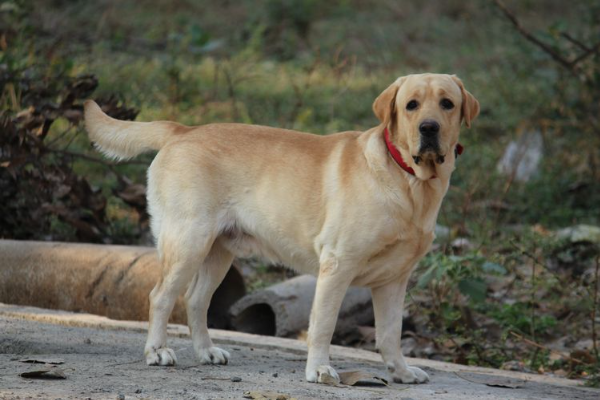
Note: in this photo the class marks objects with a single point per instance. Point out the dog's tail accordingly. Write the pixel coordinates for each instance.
(125, 139)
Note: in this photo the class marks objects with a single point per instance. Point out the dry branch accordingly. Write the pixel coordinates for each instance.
(571, 65)
(541, 347)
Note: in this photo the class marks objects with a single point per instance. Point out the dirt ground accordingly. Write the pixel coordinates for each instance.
(102, 359)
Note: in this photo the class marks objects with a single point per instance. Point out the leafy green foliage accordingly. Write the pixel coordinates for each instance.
(464, 271)
(518, 317)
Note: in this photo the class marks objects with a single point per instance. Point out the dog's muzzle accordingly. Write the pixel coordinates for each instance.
(429, 148)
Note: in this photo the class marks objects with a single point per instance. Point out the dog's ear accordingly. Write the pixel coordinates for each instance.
(384, 105)
(470, 105)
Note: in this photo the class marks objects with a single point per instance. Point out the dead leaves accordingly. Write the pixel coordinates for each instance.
(41, 196)
(352, 378)
(492, 380)
(48, 369)
(348, 378)
(260, 395)
(44, 373)
(38, 360)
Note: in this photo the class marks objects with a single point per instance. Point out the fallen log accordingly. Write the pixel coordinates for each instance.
(108, 280)
(283, 309)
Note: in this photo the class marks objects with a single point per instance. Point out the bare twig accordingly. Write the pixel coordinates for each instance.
(124, 363)
(532, 300)
(231, 92)
(232, 80)
(300, 92)
(585, 55)
(215, 89)
(595, 308)
(66, 146)
(13, 96)
(214, 378)
(527, 254)
(342, 80)
(576, 42)
(571, 65)
(62, 135)
(532, 313)
(513, 19)
(542, 347)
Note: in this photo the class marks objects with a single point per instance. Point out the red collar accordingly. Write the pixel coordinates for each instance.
(395, 153)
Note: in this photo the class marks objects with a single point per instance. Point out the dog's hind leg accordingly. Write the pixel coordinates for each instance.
(182, 249)
(198, 296)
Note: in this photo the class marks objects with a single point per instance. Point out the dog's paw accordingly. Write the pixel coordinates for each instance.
(162, 356)
(323, 374)
(410, 375)
(213, 355)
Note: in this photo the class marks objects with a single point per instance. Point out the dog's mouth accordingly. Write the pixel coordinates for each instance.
(429, 152)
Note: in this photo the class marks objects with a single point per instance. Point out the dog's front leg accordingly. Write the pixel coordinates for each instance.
(388, 304)
(332, 285)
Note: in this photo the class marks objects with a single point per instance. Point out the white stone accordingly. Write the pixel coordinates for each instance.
(522, 157)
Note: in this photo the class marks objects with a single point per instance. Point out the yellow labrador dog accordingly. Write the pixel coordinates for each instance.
(353, 208)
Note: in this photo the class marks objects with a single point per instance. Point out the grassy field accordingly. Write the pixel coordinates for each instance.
(518, 295)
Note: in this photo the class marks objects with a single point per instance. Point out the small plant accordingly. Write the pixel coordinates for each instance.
(465, 272)
(517, 317)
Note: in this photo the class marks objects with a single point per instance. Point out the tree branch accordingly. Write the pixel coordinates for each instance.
(549, 50)
(571, 65)
(574, 41)
(585, 55)
(541, 347)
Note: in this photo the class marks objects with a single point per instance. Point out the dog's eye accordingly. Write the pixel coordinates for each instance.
(412, 105)
(446, 104)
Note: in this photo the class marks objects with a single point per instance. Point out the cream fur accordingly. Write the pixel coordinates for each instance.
(334, 206)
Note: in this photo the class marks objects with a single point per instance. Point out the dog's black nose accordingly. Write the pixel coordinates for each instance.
(429, 128)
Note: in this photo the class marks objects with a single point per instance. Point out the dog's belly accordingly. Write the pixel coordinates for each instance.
(391, 261)
(244, 245)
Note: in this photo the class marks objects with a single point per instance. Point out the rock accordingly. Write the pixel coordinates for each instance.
(442, 233)
(522, 157)
(584, 344)
(515, 365)
(462, 244)
(580, 233)
(408, 346)
(561, 373)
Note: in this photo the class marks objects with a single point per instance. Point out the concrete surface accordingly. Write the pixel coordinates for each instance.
(103, 360)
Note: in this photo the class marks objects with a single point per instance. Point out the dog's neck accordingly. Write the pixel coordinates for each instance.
(419, 193)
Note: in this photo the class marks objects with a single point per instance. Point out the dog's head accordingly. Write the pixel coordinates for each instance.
(423, 114)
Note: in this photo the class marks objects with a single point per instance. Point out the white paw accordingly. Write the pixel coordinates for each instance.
(213, 355)
(410, 375)
(322, 374)
(162, 356)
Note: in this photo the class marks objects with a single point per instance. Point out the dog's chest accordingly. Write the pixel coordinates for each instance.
(395, 258)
